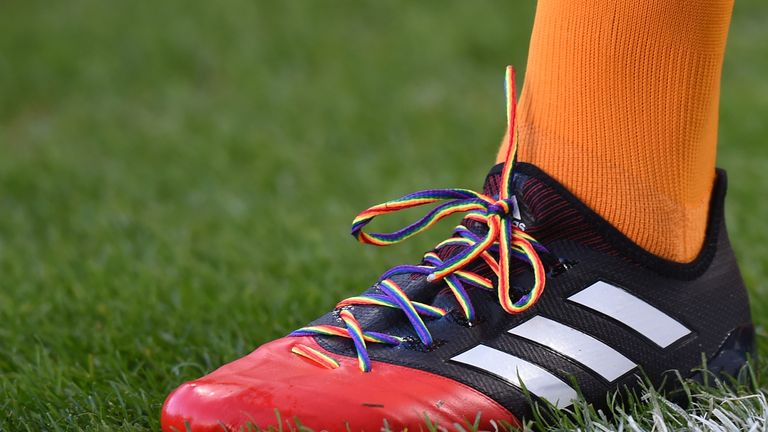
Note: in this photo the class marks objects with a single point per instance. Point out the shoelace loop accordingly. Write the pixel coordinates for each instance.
(503, 237)
(502, 207)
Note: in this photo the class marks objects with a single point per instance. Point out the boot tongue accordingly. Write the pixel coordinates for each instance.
(546, 210)
(520, 213)
(492, 184)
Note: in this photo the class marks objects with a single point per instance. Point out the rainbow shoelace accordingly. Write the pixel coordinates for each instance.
(503, 237)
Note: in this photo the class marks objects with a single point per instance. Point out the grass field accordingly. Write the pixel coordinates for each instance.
(177, 179)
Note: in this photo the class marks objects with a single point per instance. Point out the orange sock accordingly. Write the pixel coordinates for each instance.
(620, 104)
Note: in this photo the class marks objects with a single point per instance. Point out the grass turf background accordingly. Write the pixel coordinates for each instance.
(177, 178)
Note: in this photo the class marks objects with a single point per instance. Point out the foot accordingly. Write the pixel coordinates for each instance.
(534, 296)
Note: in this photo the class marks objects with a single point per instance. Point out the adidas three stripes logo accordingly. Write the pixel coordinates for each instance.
(602, 297)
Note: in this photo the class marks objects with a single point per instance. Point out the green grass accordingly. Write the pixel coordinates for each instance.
(177, 178)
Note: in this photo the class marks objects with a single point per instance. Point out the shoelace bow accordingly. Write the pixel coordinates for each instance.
(502, 237)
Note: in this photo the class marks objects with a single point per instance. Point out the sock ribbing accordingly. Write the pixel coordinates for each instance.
(620, 104)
